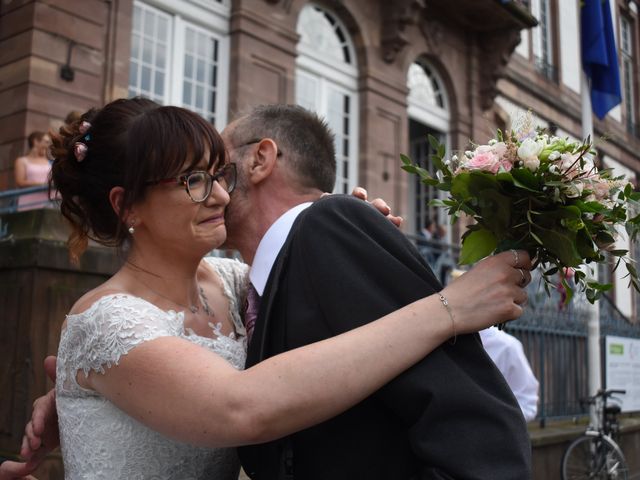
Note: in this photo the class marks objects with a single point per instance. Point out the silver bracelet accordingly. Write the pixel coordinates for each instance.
(445, 302)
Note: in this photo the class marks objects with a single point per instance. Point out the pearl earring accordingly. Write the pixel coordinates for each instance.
(132, 230)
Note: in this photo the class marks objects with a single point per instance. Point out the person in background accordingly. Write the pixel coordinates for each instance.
(32, 170)
(507, 353)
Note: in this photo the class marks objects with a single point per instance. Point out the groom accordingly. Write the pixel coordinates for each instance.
(326, 267)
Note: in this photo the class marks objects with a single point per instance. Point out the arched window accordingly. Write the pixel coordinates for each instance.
(326, 82)
(180, 55)
(428, 110)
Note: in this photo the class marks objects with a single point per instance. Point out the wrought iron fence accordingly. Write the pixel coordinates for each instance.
(554, 336)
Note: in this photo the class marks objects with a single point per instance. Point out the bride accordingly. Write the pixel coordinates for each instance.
(149, 372)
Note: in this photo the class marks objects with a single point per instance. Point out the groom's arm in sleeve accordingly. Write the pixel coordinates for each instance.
(460, 416)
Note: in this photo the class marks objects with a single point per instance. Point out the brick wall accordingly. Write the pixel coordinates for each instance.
(35, 41)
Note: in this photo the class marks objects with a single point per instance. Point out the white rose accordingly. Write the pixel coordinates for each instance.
(529, 148)
(553, 156)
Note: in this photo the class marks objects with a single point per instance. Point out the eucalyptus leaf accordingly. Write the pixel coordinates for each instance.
(476, 245)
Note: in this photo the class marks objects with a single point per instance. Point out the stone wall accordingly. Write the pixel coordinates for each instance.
(38, 286)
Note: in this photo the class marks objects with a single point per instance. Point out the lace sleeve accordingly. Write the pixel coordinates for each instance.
(234, 276)
(109, 329)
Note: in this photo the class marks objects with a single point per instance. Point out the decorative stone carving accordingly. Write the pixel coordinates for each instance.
(433, 32)
(494, 50)
(397, 15)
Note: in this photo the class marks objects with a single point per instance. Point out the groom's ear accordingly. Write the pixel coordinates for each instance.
(264, 160)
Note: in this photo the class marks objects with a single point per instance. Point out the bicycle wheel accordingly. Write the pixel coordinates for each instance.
(594, 458)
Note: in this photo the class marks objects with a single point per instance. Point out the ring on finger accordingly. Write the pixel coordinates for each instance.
(523, 280)
(516, 257)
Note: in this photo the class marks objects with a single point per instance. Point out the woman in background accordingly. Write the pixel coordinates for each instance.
(32, 170)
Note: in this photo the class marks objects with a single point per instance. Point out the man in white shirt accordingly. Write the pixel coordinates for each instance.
(507, 353)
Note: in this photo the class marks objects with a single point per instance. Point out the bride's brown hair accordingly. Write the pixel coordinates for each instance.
(129, 143)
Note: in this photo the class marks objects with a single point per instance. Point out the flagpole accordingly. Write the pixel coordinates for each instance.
(593, 319)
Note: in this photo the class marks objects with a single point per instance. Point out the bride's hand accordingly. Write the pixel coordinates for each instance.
(380, 204)
(492, 292)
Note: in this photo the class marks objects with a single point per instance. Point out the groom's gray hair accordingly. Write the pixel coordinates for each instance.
(304, 139)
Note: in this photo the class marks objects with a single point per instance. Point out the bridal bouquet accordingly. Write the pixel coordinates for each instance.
(539, 193)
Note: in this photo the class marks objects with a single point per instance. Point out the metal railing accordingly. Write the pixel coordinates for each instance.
(553, 335)
(10, 200)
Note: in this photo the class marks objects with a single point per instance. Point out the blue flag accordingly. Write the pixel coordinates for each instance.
(599, 55)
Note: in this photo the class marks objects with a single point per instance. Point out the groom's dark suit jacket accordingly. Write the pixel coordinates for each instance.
(450, 416)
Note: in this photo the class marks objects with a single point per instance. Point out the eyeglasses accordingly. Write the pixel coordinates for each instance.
(253, 142)
(199, 183)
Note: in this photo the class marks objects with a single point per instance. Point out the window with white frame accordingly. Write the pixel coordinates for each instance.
(326, 82)
(180, 55)
(428, 112)
(626, 54)
(543, 39)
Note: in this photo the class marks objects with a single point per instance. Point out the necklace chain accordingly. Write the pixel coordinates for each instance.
(192, 308)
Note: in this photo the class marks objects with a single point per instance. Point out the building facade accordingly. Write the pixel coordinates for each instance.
(384, 74)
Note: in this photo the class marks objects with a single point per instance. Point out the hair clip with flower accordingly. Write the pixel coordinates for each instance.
(83, 127)
(80, 148)
(79, 151)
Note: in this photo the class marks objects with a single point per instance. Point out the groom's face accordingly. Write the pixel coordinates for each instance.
(239, 208)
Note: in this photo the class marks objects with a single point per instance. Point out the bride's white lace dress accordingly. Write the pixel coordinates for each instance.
(98, 440)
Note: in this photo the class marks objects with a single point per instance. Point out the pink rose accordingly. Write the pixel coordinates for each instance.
(506, 165)
(484, 159)
(486, 162)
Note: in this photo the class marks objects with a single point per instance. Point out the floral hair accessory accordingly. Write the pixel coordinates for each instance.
(84, 126)
(529, 190)
(79, 151)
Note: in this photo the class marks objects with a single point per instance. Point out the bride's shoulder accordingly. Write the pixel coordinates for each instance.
(229, 269)
(113, 292)
(108, 305)
(93, 299)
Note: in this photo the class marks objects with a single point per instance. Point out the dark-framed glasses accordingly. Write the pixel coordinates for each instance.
(253, 142)
(199, 183)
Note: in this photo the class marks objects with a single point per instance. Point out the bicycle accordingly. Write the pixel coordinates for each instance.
(595, 454)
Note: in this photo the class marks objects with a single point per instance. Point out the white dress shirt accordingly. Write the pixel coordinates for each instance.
(270, 246)
(507, 353)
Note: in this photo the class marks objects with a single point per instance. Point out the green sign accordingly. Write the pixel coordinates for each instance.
(616, 349)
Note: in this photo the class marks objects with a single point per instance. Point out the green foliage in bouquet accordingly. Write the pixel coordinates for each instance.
(542, 194)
